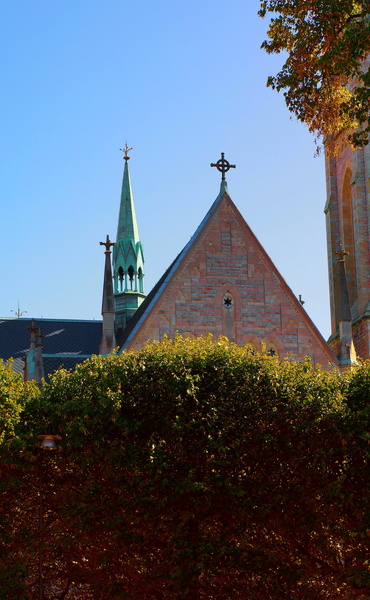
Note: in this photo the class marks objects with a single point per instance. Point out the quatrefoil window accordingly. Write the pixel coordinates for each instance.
(271, 351)
(228, 301)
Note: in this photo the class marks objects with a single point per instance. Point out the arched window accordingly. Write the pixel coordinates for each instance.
(228, 316)
(131, 272)
(120, 280)
(140, 278)
(348, 236)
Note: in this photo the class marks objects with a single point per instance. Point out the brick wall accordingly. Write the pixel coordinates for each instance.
(227, 285)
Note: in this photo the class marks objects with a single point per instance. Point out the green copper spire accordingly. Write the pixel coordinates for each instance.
(127, 223)
(128, 256)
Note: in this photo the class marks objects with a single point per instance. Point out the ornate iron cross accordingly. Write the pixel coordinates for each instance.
(223, 165)
(108, 244)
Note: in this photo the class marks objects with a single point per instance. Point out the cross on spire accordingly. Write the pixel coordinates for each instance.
(341, 254)
(107, 245)
(33, 328)
(223, 166)
(126, 150)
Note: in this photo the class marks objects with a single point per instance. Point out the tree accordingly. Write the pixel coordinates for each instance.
(326, 77)
(197, 469)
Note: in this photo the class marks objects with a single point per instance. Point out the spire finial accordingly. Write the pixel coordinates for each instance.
(33, 328)
(108, 244)
(126, 150)
(223, 166)
(18, 313)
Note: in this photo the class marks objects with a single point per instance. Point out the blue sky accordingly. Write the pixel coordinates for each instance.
(181, 82)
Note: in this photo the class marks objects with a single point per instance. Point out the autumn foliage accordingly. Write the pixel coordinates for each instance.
(325, 77)
(189, 469)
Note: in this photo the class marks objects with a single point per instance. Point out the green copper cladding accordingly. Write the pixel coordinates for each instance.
(127, 223)
(128, 256)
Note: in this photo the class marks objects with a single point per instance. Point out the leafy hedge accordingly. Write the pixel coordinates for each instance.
(195, 469)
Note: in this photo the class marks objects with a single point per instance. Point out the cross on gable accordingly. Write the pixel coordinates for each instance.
(223, 165)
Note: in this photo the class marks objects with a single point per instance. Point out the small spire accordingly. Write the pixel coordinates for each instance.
(34, 363)
(347, 353)
(39, 366)
(108, 342)
(33, 330)
(30, 358)
(128, 256)
(108, 298)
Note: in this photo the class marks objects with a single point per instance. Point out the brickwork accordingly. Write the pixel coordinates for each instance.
(361, 337)
(347, 221)
(226, 284)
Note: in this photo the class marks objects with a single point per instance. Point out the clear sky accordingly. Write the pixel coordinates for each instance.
(181, 82)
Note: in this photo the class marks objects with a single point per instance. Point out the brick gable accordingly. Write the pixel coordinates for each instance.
(224, 283)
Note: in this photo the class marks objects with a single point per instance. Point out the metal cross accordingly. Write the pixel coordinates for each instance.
(107, 245)
(33, 328)
(126, 150)
(341, 254)
(223, 165)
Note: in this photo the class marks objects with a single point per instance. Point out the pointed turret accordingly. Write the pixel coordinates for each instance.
(128, 257)
(34, 362)
(108, 341)
(30, 361)
(347, 353)
(39, 366)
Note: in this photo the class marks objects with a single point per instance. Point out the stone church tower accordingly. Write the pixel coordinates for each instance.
(347, 220)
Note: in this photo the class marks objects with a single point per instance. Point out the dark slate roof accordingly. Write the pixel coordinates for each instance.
(66, 342)
(57, 361)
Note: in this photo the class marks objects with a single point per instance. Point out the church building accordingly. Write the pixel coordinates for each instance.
(222, 282)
